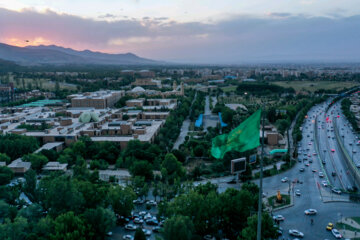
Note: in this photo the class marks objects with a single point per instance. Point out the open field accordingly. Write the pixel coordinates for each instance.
(313, 86)
(229, 88)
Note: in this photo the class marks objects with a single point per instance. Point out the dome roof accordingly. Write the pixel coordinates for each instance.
(87, 117)
(138, 89)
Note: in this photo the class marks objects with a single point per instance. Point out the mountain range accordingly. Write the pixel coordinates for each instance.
(55, 55)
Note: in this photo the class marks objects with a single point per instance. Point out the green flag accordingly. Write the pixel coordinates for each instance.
(245, 137)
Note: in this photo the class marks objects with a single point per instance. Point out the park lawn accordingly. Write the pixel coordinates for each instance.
(313, 86)
(229, 88)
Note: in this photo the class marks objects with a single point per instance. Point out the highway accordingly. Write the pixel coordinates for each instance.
(329, 149)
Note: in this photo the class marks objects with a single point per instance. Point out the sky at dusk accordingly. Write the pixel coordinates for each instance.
(191, 31)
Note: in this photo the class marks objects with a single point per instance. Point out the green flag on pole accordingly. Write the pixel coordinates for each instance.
(245, 137)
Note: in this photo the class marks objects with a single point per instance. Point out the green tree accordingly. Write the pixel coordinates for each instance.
(171, 168)
(178, 228)
(37, 161)
(142, 168)
(139, 234)
(30, 184)
(268, 229)
(42, 230)
(5, 158)
(60, 195)
(79, 148)
(121, 200)
(14, 230)
(199, 150)
(99, 221)
(69, 227)
(6, 174)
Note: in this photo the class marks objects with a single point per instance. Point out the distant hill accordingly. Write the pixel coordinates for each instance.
(55, 55)
(8, 66)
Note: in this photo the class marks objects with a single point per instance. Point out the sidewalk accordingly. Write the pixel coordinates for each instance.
(328, 196)
(278, 167)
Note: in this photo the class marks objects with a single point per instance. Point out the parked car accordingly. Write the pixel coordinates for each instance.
(324, 183)
(130, 227)
(138, 221)
(152, 222)
(128, 237)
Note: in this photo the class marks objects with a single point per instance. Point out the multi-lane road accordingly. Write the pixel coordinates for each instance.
(317, 137)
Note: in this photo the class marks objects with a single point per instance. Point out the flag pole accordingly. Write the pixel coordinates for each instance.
(261, 175)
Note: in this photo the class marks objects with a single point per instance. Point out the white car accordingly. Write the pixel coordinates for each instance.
(336, 233)
(295, 233)
(147, 232)
(298, 193)
(324, 183)
(130, 227)
(310, 211)
(285, 179)
(128, 237)
(279, 217)
(321, 174)
(138, 221)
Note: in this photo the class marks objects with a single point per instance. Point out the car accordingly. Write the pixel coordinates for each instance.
(333, 173)
(109, 234)
(285, 179)
(314, 153)
(142, 213)
(358, 165)
(337, 191)
(307, 164)
(314, 170)
(130, 227)
(321, 174)
(323, 161)
(152, 222)
(324, 183)
(128, 237)
(354, 151)
(298, 193)
(310, 211)
(278, 218)
(151, 203)
(138, 221)
(310, 161)
(336, 233)
(156, 229)
(295, 233)
(302, 169)
(330, 226)
(147, 232)
(208, 237)
(137, 201)
(350, 188)
(332, 150)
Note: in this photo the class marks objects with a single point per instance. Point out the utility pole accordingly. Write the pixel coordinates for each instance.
(261, 176)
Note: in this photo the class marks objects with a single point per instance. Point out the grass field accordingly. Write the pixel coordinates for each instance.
(313, 86)
(229, 88)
